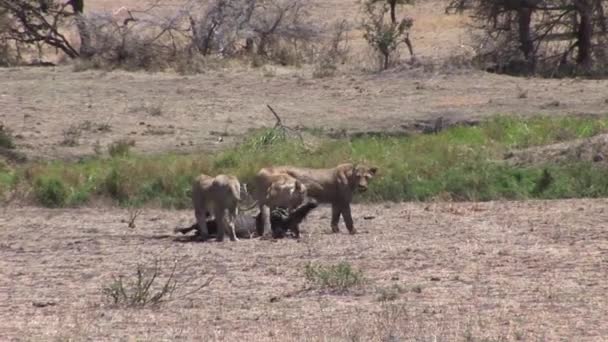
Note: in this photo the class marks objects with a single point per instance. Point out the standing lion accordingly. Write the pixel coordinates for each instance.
(218, 196)
(335, 186)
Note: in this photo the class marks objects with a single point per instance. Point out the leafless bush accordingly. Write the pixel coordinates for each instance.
(133, 214)
(283, 30)
(144, 40)
(334, 51)
(278, 30)
(150, 286)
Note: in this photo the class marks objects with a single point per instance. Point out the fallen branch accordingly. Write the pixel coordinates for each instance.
(279, 124)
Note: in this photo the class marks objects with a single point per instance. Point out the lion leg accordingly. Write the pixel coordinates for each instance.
(265, 229)
(348, 219)
(220, 218)
(201, 221)
(335, 217)
(232, 213)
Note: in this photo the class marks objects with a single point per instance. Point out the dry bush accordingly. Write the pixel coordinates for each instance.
(274, 30)
(7, 53)
(151, 286)
(334, 51)
(145, 40)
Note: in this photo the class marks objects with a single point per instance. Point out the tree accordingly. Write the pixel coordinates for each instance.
(549, 32)
(34, 22)
(393, 12)
(385, 37)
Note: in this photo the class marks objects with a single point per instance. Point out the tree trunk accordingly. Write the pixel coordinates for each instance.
(386, 61)
(393, 5)
(86, 50)
(525, 38)
(85, 37)
(584, 34)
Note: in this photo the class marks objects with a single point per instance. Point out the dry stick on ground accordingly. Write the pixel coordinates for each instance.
(133, 213)
(279, 124)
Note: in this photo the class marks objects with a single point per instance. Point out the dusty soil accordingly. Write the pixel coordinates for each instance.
(504, 271)
(169, 112)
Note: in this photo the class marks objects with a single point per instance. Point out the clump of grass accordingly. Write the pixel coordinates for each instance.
(71, 135)
(51, 192)
(149, 286)
(6, 138)
(391, 293)
(340, 277)
(120, 148)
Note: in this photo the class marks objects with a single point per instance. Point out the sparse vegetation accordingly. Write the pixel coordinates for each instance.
(51, 192)
(391, 293)
(461, 163)
(382, 35)
(149, 286)
(121, 148)
(71, 136)
(340, 277)
(6, 138)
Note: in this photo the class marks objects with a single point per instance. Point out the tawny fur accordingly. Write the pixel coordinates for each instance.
(335, 186)
(273, 190)
(218, 196)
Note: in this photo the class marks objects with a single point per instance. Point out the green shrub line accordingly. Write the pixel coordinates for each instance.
(464, 163)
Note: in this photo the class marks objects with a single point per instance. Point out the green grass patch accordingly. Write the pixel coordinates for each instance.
(462, 163)
(340, 277)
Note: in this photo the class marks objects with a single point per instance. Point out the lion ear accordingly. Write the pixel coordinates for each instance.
(373, 170)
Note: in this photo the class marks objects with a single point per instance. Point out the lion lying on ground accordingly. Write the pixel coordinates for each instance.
(335, 186)
(247, 226)
(218, 196)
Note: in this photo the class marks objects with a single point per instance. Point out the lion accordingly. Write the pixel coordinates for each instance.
(273, 190)
(335, 186)
(219, 196)
(247, 226)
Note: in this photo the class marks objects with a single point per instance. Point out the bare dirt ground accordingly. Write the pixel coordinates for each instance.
(169, 112)
(530, 271)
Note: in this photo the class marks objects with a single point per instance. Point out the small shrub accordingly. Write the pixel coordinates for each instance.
(71, 135)
(334, 52)
(387, 294)
(384, 37)
(6, 138)
(143, 290)
(51, 192)
(340, 277)
(121, 148)
(148, 286)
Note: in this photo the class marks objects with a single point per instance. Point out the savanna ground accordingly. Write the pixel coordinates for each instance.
(491, 271)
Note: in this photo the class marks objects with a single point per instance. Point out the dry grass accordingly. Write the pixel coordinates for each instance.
(497, 271)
